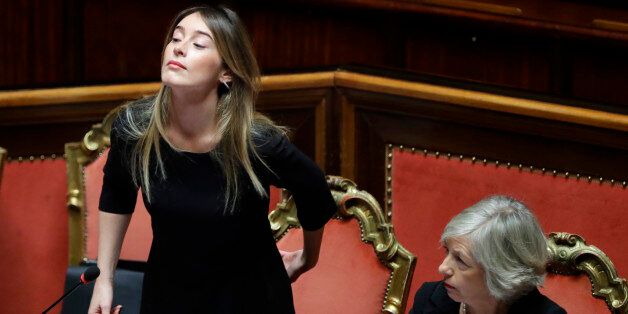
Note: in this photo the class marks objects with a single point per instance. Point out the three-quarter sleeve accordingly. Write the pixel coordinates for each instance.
(119, 192)
(297, 173)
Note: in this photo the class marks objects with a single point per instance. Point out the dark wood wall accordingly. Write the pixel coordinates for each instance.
(557, 51)
(563, 48)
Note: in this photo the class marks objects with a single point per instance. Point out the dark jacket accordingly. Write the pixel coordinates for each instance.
(432, 298)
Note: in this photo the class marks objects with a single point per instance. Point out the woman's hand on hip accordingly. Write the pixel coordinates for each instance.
(295, 263)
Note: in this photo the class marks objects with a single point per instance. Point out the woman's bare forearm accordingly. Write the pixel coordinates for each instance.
(111, 234)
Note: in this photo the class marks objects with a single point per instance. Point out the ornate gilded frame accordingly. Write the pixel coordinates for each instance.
(572, 256)
(3, 157)
(78, 155)
(375, 229)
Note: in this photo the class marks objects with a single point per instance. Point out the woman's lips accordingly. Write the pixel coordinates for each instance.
(176, 64)
(448, 286)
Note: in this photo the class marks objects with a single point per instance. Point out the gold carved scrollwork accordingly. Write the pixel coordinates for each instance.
(571, 255)
(78, 155)
(3, 157)
(375, 229)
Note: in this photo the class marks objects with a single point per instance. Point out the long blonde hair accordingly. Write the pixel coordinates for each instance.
(237, 118)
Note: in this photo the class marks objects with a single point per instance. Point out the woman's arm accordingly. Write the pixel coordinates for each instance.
(111, 234)
(312, 246)
(300, 261)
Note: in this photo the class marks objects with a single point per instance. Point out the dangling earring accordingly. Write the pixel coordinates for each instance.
(226, 85)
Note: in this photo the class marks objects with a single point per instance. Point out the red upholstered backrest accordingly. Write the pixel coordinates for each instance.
(34, 241)
(139, 235)
(348, 278)
(427, 191)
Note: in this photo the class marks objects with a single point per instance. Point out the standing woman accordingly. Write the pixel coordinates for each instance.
(204, 160)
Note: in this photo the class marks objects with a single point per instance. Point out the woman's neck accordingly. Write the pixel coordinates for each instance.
(192, 113)
(486, 306)
(192, 120)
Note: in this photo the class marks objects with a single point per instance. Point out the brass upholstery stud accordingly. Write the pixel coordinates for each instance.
(484, 161)
(425, 152)
(413, 149)
(400, 147)
(461, 157)
(42, 157)
(31, 158)
(390, 145)
(473, 159)
(54, 156)
(19, 159)
(437, 154)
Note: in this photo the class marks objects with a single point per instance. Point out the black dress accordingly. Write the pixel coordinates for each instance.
(432, 298)
(201, 259)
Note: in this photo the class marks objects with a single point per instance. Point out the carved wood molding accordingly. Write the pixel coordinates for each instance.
(571, 256)
(375, 229)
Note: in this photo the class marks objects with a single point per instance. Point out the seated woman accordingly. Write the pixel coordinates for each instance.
(495, 257)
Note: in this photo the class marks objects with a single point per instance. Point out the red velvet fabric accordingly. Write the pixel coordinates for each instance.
(34, 238)
(348, 278)
(428, 191)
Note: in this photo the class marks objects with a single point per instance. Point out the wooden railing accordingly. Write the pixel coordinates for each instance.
(338, 79)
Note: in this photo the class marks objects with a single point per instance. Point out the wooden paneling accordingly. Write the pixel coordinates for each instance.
(382, 119)
(482, 53)
(344, 120)
(569, 49)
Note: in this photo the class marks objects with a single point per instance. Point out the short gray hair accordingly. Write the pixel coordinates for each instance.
(507, 241)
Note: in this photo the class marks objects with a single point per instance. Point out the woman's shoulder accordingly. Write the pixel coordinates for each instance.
(268, 139)
(535, 302)
(132, 117)
(432, 297)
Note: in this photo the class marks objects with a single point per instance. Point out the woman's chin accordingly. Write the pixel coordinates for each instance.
(454, 295)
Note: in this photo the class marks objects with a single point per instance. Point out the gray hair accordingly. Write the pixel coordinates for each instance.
(507, 241)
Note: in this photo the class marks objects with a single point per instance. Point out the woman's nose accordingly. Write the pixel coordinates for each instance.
(179, 50)
(444, 268)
